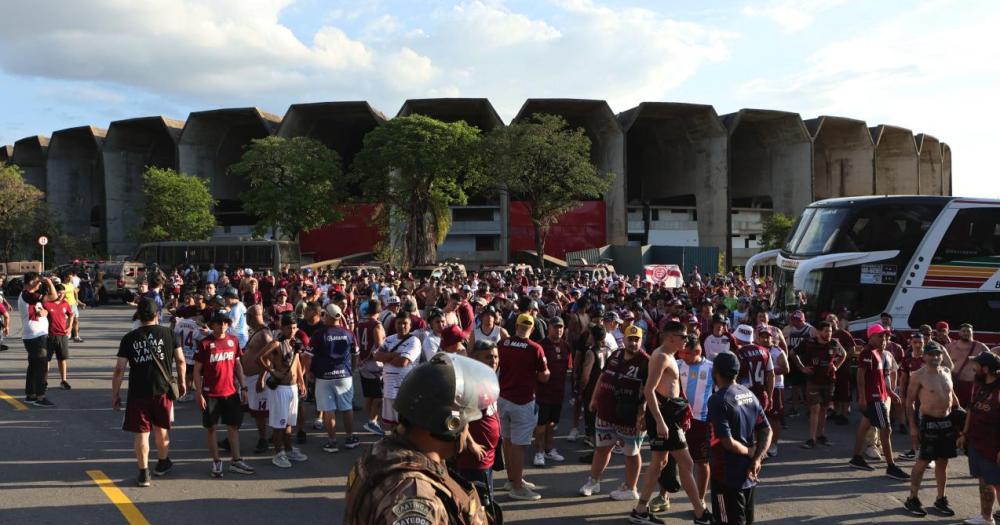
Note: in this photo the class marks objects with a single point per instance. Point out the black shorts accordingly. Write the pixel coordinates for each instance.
(676, 440)
(877, 413)
(819, 393)
(795, 377)
(371, 388)
(549, 413)
(730, 506)
(57, 346)
(938, 438)
(228, 409)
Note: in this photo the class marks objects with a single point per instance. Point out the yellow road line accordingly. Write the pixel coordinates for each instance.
(13, 402)
(125, 505)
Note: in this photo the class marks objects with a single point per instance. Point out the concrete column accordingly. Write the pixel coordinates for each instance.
(929, 172)
(896, 161)
(6, 152)
(607, 150)
(130, 146)
(678, 154)
(843, 157)
(945, 169)
(75, 182)
(29, 154)
(214, 140)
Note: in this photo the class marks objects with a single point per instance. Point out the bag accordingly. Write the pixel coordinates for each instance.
(173, 391)
(272, 382)
(498, 462)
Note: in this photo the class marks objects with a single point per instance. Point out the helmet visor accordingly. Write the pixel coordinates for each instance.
(476, 387)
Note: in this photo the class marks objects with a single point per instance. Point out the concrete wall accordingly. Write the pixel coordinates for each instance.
(340, 126)
(843, 157)
(929, 170)
(75, 182)
(6, 152)
(130, 146)
(945, 169)
(770, 160)
(29, 154)
(214, 140)
(679, 151)
(896, 161)
(607, 150)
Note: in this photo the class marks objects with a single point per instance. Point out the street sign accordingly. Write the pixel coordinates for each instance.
(43, 240)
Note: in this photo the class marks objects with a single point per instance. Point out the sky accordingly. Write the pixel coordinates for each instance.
(932, 66)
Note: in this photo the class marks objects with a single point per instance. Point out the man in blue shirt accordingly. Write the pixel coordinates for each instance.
(742, 436)
(330, 358)
(238, 315)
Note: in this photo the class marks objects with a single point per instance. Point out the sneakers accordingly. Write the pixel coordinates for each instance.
(241, 467)
(216, 469)
(65, 385)
(705, 519)
(644, 518)
(624, 494)
(163, 466)
(894, 472)
(909, 454)
(978, 520)
(44, 402)
(524, 494)
(373, 427)
(507, 486)
(280, 460)
(859, 463)
(331, 447)
(591, 487)
(941, 504)
(872, 453)
(539, 460)
(262, 446)
(351, 442)
(659, 504)
(574, 435)
(773, 451)
(317, 424)
(822, 440)
(913, 506)
(300, 437)
(77, 339)
(554, 455)
(30, 399)
(297, 455)
(809, 444)
(143, 480)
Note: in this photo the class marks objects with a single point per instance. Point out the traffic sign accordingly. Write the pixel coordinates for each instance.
(43, 240)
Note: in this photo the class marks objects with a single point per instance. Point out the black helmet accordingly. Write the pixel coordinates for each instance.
(445, 394)
(597, 309)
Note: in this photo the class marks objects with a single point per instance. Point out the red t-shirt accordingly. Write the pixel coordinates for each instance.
(520, 361)
(984, 427)
(557, 356)
(820, 357)
(58, 312)
(466, 317)
(755, 360)
(621, 382)
(486, 433)
(873, 366)
(218, 362)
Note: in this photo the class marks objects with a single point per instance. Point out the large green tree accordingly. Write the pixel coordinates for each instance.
(416, 167)
(776, 229)
(545, 164)
(293, 185)
(20, 208)
(178, 207)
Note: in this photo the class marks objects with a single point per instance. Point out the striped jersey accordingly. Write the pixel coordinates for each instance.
(698, 386)
(189, 334)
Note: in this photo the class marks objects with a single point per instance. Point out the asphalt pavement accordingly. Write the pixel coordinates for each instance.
(50, 458)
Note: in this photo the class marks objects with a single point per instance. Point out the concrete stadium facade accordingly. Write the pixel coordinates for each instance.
(683, 175)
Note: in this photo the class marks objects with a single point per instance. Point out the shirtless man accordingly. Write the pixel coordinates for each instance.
(962, 351)
(664, 415)
(256, 400)
(931, 386)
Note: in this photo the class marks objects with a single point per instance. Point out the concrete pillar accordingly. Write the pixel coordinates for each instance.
(130, 146)
(929, 172)
(770, 160)
(75, 183)
(607, 150)
(678, 154)
(29, 154)
(843, 158)
(6, 152)
(945, 169)
(896, 161)
(214, 140)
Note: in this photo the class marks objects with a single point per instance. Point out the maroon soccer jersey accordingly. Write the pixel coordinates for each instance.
(557, 357)
(58, 312)
(621, 385)
(872, 364)
(218, 361)
(820, 356)
(520, 360)
(755, 360)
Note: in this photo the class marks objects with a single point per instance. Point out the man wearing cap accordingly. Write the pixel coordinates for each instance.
(611, 326)
(719, 340)
(930, 386)
(388, 316)
(941, 333)
(819, 359)
(873, 393)
(962, 350)
(399, 354)
(370, 336)
(797, 331)
(453, 340)
(522, 367)
(550, 393)
(280, 306)
(237, 313)
(756, 367)
(330, 358)
(979, 434)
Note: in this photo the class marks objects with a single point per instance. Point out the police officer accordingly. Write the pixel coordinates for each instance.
(402, 479)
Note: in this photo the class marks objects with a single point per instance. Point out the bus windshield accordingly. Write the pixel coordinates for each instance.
(861, 228)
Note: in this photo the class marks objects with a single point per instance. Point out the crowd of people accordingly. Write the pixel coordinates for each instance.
(701, 374)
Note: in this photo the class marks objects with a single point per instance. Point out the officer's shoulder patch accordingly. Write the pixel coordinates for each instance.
(413, 511)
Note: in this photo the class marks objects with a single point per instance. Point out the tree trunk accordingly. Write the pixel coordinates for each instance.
(421, 240)
(540, 235)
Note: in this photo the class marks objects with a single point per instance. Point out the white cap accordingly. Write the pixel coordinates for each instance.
(744, 333)
(392, 300)
(334, 311)
(248, 271)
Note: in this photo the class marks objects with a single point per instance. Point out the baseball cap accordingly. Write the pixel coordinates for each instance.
(876, 329)
(557, 321)
(933, 348)
(451, 335)
(628, 315)
(916, 335)
(612, 316)
(334, 311)
(988, 360)
(798, 315)
(220, 318)
(392, 300)
(633, 331)
(282, 292)
(942, 325)
(763, 328)
(743, 333)
(691, 319)
(230, 292)
(526, 319)
(727, 363)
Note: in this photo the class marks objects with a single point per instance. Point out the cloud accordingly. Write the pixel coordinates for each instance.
(792, 15)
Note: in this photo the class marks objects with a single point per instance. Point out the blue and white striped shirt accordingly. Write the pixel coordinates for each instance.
(698, 386)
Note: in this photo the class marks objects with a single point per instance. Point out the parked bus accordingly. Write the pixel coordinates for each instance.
(257, 254)
(922, 259)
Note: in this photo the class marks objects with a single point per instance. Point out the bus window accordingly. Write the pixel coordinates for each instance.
(147, 254)
(975, 232)
(200, 254)
(259, 256)
(979, 308)
(289, 253)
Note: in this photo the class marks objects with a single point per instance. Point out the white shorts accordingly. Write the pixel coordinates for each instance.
(283, 406)
(257, 401)
(389, 414)
(335, 394)
(517, 422)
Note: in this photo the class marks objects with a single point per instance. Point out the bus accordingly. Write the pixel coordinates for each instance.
(922, 259)
(255, 254)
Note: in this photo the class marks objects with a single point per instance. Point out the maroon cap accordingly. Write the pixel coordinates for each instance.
(451, 336)
(942, 325)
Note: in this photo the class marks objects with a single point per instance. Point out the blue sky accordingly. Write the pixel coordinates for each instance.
(932, 66)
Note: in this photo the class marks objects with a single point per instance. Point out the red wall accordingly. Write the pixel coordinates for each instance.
(579, 229)
(351, 235)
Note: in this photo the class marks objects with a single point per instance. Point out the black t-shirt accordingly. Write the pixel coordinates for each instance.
(139, 346)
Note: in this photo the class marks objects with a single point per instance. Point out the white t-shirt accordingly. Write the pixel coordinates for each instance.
(431, 344)
(189, 334)
(779, 379)
(392, 376)
(715, 345)
(32, 328)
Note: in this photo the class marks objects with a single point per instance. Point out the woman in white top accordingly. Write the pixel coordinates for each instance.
(488, 329)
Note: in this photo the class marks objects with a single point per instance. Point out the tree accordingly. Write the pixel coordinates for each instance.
(178, 207)
(776, 228)
(414, 167)
(20, 205)
(545, 164)
(293, 185)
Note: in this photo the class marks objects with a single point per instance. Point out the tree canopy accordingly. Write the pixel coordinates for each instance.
(178, 207)
(19, 210)
(776, 229)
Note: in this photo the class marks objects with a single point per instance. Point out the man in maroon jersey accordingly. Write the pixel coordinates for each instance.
(842, 381)
(57, 344)
(756, 367)
(371, 335)
(979, 436)
(819, 359)
(550, 393)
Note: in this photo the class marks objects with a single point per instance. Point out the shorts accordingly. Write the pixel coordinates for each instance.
(143, 413)
(282, 406)
(675, 441)
(335, 394)
(795, 377)
(371, 388)
(228, 409)
(842, 385)
(732, 506)
(256, 401)
(819, 393)
(389, 414)
(938, 438)
(607, 434)
(776, 413)
(985, 468)
(517, 422)
(549, 413)
(699, 439)
(58, 346)
(878, 413)
(75, 310)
